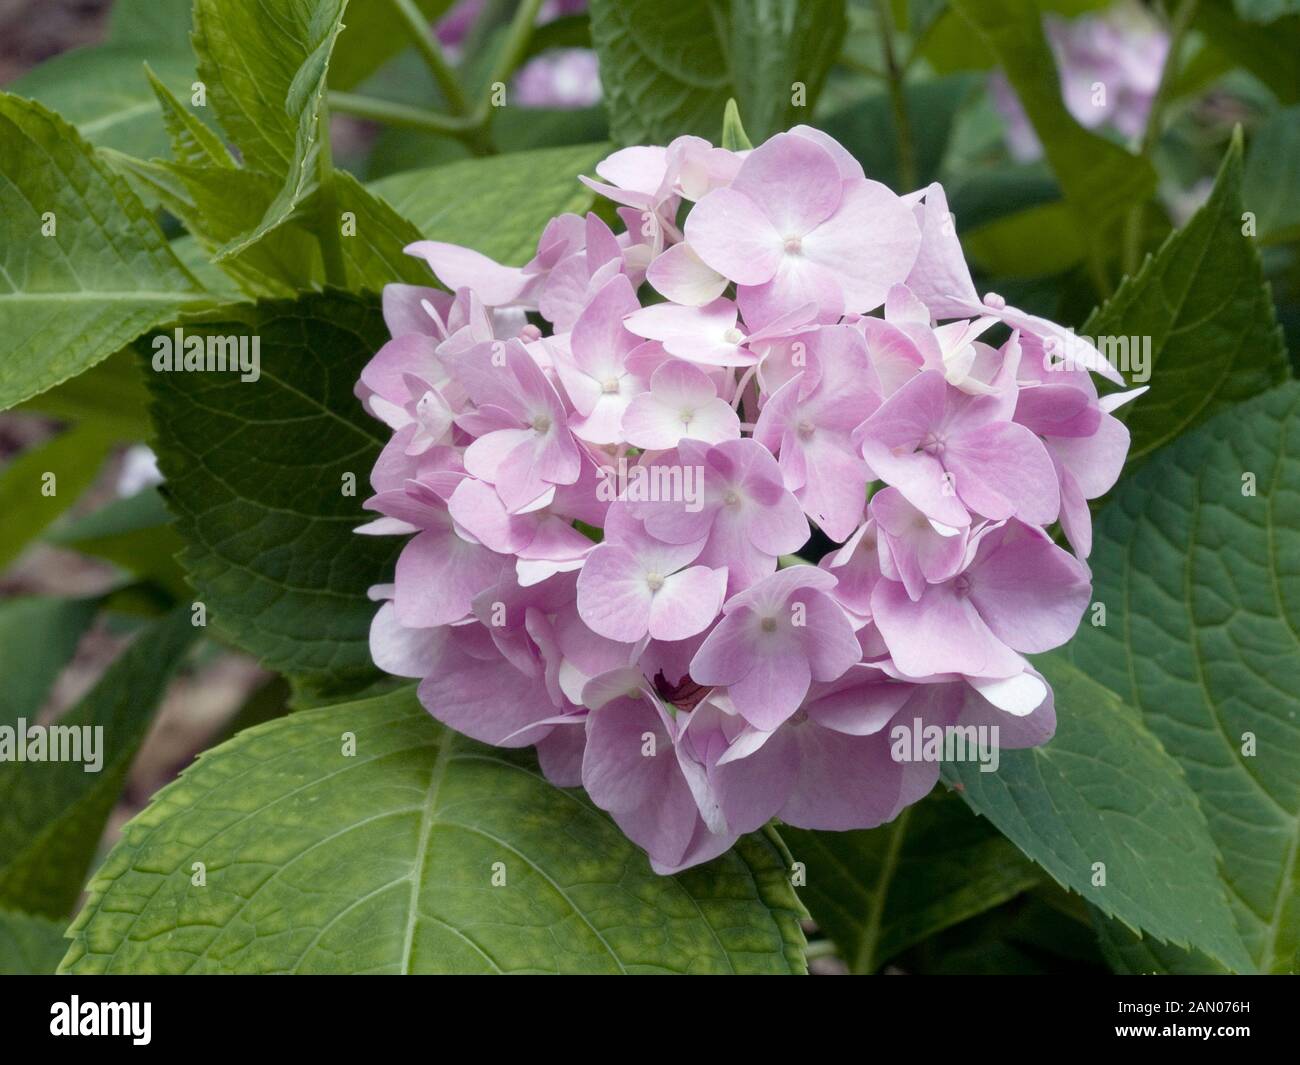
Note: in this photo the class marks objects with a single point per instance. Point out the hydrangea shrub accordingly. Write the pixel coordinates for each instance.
(682, 489)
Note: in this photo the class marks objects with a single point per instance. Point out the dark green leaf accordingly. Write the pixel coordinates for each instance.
(55, 811)
(1104, 791)
(1202, 301)
(877, 892)
(30, 946)
(256, 476)
(37, 638)
(1201, 584)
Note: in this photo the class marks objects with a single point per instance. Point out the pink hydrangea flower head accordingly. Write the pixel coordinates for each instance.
(601, 462)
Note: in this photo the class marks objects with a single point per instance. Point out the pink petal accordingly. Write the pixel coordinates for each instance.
(731, 235)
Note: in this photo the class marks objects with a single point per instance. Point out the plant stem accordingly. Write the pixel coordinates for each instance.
(515, 44)
(426, 42)
(327, 232)
(894, 74)
(394, 114)
(1178, 27)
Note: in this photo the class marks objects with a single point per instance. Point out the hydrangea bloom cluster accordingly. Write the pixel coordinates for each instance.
(1110, 65)
(604, 458)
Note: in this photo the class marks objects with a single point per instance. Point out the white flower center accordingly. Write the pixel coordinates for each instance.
(610, 386)
(793, 245)
(654, 582)
(687, 415)
(733, 336)
(731, 499)
(541, 422)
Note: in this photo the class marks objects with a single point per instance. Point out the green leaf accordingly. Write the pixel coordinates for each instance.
(1203, 302)
(1272, 175)
(111, 395)
(148, 22)
(1265, 10)
(30, 500)
(219, 202)
(383, 861)
(866, 128)
(777, 46)
(1104, 791)
(1271, 52)
(55, 811)
(29, 945)
(104, 92)
(1098, 178)
(879, 891)
(105, 274)
(734, 137)
(1203, 592)
(374, 34)
(498, 205)
(668, 68)
(38, 636)
(265, 67)
(134, 533)
(256, 477)
(1039, 241)
(1132, 955)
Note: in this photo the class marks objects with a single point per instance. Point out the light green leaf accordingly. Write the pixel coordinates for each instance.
(105, 93)
(38, 636)
(29, 945)
(264, 65)
(1203, 302)
(1099, 179)
(498, 205)
(383, 861)
(55, 811)
(103, 276)
(111, 394)
(30, 500)
(734, 137)
(151, 23)
(1104, 791)
(1202, 586)
(668, 68)
(879, 891)
(218, 202)
(1273, 175)
(256, 477)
